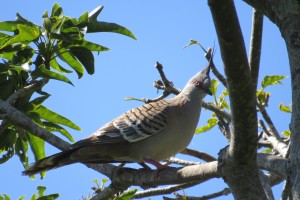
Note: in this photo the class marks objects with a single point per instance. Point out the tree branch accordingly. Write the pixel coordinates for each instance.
(123, 178)
(198, 154)
(255, 45)
(26, 90)
(164, 190)
(240, 157)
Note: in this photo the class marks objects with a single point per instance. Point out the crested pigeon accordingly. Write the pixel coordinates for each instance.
(149, 133)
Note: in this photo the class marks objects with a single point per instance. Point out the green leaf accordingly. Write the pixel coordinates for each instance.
(210, 124)
(57, 11)
(214, 86)
(53, 75)
(285, 108)
(96, 26)
(88, 45)
(21, 197)
(286, 133)
(262, 96)
(86, 58)
(5, 197)
(71, 60)
(56, 128)
(37, 146)
(34, 104)
(21, 148)
(41, 190)
(53, 117)
(272, 80)
(26, 34)
(268, 150)
(11, 26)
(55, 65)
(127, 195)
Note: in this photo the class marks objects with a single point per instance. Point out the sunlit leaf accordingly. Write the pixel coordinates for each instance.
(41, 190)
(262, 96)
(127, 195)
(54, 117)
(56, 128)
(268, 150)
(97, 26)
(37, 146)
(57, 11)
(285, 108)
(70, 59)
(210, 124)
(4, 197)
(214, 86)
(192, 42)
(272, 80)
(26, 34)
(55, 65)
(286, 133)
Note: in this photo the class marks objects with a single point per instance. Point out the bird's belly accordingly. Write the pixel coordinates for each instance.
(162, 145)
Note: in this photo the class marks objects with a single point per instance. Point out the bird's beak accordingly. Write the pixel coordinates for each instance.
(208, 92)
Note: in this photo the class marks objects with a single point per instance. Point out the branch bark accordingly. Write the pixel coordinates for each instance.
(240, 157)
(255, 45)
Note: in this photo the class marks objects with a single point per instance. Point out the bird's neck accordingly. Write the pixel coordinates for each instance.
(190, 96)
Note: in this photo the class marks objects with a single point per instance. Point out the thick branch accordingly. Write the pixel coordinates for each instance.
(126, 177)
(240, 157)
(255, 45)
(275, 164)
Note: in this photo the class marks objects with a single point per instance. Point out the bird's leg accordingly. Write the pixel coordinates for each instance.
(156, 164)
(144, 165)
(121, 165)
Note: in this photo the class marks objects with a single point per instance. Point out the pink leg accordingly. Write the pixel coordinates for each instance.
(156, 164)
(144, 165)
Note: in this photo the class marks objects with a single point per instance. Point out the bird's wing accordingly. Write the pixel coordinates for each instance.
(134, 125)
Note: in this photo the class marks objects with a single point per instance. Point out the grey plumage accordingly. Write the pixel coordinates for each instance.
(148, 133)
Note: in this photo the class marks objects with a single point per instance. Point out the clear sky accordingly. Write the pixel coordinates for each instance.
(162, 29)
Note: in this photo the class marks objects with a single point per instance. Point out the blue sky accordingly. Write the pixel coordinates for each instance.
(162, 29)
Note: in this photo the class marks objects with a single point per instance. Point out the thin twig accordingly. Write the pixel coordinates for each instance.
(173, 160)
(223, 192)
(198, 154)
(164, 190)
(266, 185)
(217, 110)
(269, 121)
(214, 70)
(224, 128)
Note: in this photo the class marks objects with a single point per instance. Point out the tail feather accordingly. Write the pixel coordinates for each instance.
(51, 162)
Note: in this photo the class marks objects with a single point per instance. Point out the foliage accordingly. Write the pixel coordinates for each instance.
(33, 53)
(39, 196)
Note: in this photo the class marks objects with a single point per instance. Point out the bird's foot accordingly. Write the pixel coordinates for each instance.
(156, 164)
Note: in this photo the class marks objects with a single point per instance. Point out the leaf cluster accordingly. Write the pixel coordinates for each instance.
(31, 53)
(39, 196)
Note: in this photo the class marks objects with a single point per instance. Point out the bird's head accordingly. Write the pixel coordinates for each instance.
(199, 85)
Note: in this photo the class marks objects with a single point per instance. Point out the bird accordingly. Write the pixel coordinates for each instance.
(149, 133)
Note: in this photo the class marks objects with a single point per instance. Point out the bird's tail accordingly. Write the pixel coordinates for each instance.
(51, 162)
